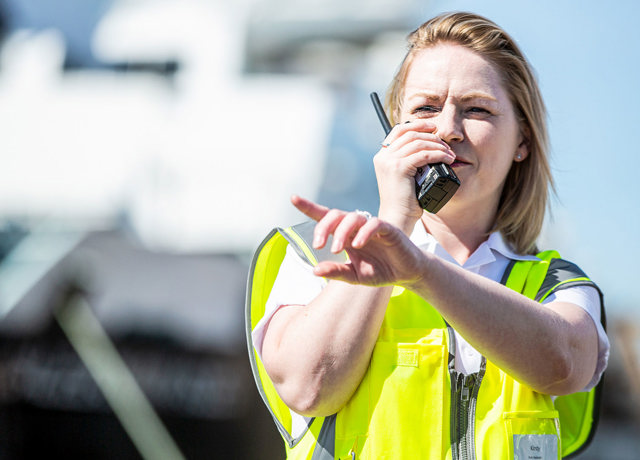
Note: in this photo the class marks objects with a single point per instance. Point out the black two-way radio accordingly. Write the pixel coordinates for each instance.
(436, 183)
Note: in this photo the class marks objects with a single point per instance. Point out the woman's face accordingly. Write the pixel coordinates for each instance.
(463, 95)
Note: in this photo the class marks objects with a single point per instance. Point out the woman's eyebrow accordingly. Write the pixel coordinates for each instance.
(425, 95)
(465, 98)
(478, 95)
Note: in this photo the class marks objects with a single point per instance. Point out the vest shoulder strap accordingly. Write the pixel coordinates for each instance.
(562, 274)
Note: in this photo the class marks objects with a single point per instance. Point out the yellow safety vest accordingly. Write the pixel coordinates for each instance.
(412, 403)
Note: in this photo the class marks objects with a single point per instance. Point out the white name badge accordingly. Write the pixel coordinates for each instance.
(535, 447)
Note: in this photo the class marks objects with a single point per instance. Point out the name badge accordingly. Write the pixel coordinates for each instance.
(535, 447)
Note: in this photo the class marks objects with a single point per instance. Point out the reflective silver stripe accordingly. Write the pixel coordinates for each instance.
(563, 274)
(325, 447)
(305, 231)
(247, 322)
(294, 244)
(290, 440)
(561, 271)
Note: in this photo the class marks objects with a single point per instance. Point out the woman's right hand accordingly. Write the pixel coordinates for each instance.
(408, 146)
(379, 253)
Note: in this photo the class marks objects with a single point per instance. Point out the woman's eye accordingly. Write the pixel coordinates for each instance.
(426, 109)
(478, 110)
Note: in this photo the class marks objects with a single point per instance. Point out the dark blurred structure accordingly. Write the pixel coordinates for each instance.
(176, 321)
(617, 436)
(177, 324)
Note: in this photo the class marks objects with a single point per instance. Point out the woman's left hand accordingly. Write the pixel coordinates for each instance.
(379, 253)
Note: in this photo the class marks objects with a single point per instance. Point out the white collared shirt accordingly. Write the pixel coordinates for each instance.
(297, 285)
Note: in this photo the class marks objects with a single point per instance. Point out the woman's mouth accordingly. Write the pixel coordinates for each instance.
(459, 162)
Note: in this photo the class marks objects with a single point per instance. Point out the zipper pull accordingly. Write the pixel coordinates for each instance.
(467, 383)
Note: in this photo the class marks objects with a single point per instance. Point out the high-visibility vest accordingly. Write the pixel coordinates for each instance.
(412, 403)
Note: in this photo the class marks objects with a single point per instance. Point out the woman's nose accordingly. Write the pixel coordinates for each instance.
(449, 125)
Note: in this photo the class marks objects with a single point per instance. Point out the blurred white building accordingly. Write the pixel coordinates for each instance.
(195, 120)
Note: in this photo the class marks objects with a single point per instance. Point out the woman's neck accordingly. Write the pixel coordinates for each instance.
(459, 232)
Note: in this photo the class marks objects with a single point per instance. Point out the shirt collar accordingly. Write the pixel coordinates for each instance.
(484, 254)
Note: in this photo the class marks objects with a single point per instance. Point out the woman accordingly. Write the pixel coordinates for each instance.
(429, 342)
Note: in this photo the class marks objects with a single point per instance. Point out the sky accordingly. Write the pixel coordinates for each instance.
(586, 56)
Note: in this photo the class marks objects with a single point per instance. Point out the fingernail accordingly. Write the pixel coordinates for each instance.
(335, 246)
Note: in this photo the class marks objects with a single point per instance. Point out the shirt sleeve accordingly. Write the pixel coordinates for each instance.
(587, 298)
(295, 284)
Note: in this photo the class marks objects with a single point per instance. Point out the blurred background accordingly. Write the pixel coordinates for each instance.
(147, 147)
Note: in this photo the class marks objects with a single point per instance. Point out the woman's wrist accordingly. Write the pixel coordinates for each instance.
(418, 280)
(404, 222)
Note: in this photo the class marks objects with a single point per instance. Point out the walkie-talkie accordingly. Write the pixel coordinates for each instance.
(436, 183)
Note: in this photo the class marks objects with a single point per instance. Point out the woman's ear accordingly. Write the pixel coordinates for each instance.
(522, 151)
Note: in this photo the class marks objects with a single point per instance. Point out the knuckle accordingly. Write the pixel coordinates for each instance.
(350, 218)
(419, 144)
(412, 136)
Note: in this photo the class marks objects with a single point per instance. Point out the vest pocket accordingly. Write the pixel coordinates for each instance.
(406, 398)
(533, 435)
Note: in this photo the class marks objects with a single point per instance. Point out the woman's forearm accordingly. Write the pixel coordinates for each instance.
(317, 354)
(552, 348)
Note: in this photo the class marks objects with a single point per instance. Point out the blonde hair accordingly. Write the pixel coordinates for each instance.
(523, 202)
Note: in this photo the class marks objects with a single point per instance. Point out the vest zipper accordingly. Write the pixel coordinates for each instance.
(464, 395)
(463, 416)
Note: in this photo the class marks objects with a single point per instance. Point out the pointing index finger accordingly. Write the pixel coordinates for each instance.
(309, 208)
